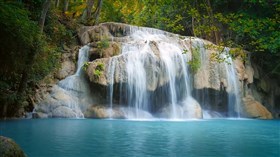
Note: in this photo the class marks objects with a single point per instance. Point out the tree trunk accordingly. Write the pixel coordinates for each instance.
(66, 4)
(45, 9)
(23, 81)
(210, 13)
(88, 8)
(97, 12)
(87, 12)
(193, 26)
(57, 3)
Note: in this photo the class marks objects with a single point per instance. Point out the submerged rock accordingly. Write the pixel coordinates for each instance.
(8, 148)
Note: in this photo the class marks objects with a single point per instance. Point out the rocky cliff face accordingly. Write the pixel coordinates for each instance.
(138, 71)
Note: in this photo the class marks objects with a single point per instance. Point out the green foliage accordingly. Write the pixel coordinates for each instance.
(101, 45)
(97, 73)
(98, 70)
(195, 62)
(56, 31)
(85, 66)
(104, 43)
(26, 56)
(100, 67)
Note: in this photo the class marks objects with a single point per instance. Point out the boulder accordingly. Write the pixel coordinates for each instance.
(66, 112)
(67, 68)
(103, 49)
(36, 115)
(8, 148)
(189, 109)
(60, 103)
(254, 109)
(96, 71)
(100, 111)
(68, 63)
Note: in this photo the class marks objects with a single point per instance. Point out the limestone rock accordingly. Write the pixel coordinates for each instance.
(154, 69)
(250, 73)
(58, 104)
(254, 109)
(8, 148)
(67, 68)
(210, 74)
(192, 108)
(99, 111)
(96, 71)
(112, 50)
(36, 115)
(189, 109)
(88, 34)
(65, 112)
(154, 48)
(240, 68)
(265, 84)
(97, 51)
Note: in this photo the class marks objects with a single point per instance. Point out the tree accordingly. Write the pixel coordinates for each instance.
(24, 54)
(97, 12)
(45, 8)
(66, 5)
(87, 12)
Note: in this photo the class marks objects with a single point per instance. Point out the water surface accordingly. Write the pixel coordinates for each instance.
(117, 138)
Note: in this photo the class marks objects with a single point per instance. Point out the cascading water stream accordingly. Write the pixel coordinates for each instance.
(149, 79)
(75, 87)
(151, 49)
(111, 71)
(234, 101)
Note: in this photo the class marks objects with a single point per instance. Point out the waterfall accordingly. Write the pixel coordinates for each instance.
(155, 68)
(75, 87)
(211, 79)
(111, 71)
(233, 89)
(149, 78)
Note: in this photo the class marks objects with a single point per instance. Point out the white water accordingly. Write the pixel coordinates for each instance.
(153, 80)
(75, 87)
(145, 69)
(234, 96)
(111, 70)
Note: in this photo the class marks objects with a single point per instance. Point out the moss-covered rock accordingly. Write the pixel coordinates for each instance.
(8, 148)
(103, 49)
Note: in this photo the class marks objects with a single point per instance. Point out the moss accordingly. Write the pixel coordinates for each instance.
(101, 45)
(100, 66)
(8, 148)
(98, 71)
(182, 37)
(85, 66)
